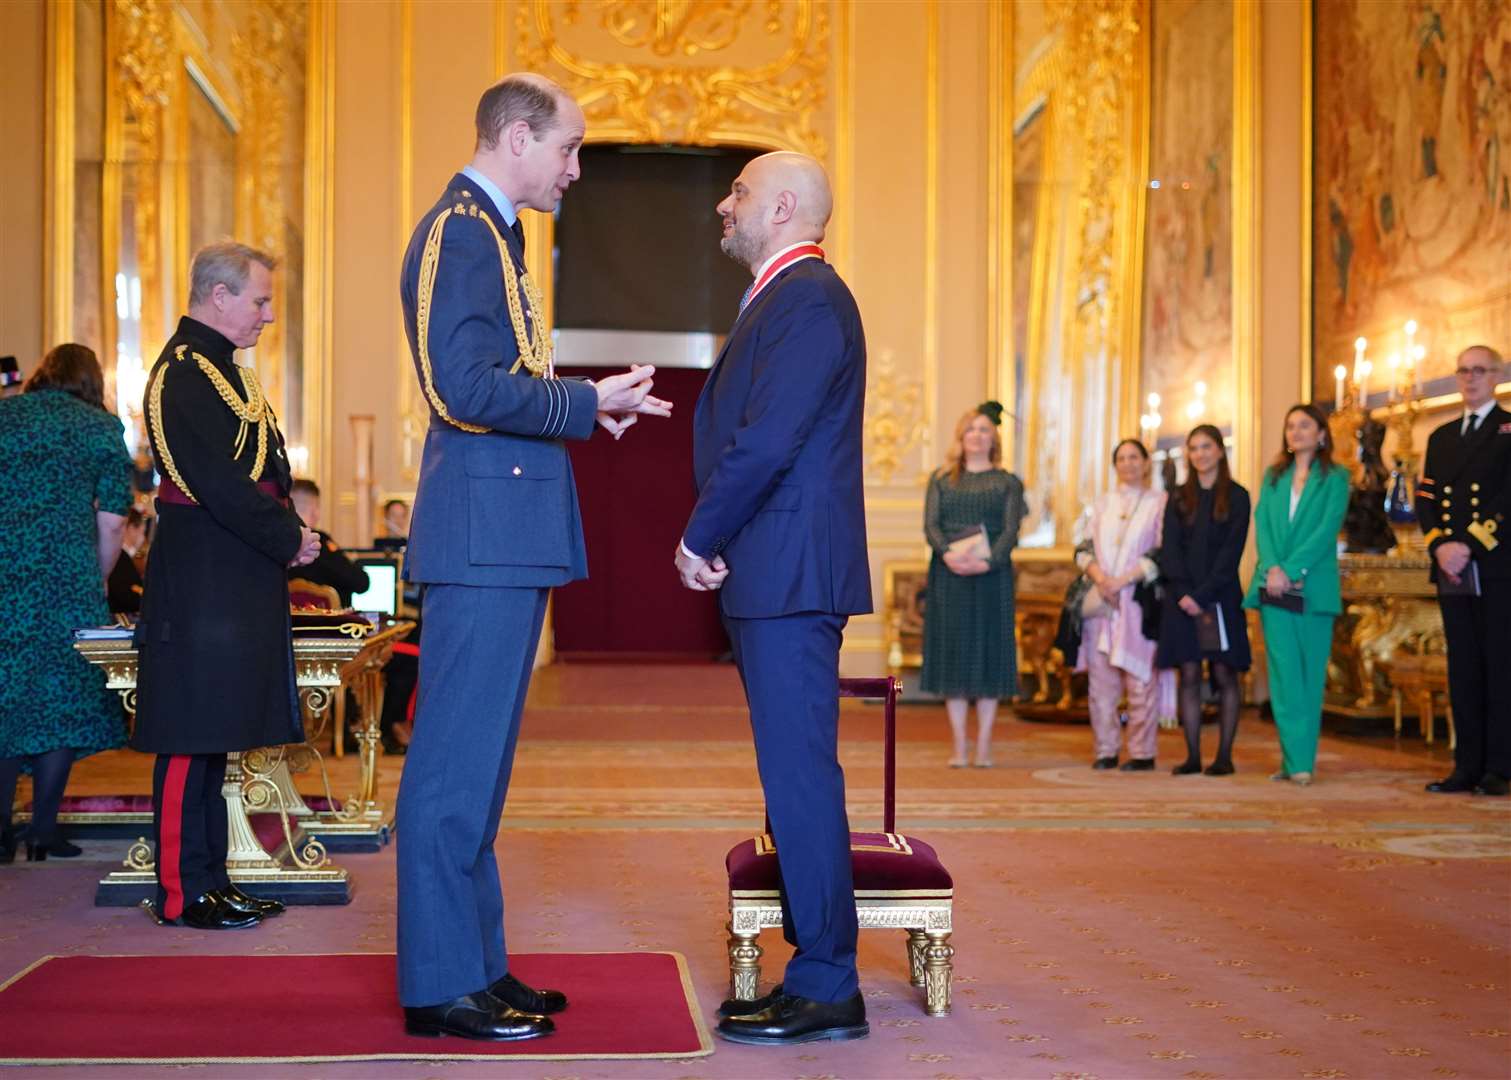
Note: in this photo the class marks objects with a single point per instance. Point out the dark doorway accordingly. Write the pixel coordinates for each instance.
(640, 277)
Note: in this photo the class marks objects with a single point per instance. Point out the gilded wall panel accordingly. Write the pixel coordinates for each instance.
(1188, 268)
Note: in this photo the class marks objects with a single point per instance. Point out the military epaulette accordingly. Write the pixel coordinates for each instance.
(465, 206)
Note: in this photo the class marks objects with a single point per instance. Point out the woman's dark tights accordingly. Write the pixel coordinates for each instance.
(49, 776)
(1227, 709)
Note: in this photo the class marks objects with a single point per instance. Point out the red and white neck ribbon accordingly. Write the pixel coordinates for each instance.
(796, 253)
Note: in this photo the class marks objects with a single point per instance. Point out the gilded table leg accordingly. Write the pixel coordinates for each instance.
(1453, 737)
(917, 942)
(744, 963)
(938, 972)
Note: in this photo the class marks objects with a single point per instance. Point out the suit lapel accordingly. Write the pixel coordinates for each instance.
(461, 182)
(1462, 448)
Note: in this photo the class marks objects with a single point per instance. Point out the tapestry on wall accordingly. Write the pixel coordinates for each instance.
(1411, 212)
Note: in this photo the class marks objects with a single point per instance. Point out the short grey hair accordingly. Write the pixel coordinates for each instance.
(227, 263)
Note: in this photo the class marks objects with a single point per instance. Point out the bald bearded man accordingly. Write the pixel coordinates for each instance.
(779, 529)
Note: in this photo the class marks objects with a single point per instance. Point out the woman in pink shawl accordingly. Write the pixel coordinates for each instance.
(1118, 659)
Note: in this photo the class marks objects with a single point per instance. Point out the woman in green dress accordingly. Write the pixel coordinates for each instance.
(64, 505)
(971, 519)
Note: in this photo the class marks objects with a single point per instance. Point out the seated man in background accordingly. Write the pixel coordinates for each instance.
(331, 567)
(124, 586)
(395, 522)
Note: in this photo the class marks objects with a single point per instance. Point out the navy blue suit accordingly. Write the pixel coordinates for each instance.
(495, 525)
(777, 460)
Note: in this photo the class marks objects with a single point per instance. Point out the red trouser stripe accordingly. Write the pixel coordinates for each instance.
(170, 842)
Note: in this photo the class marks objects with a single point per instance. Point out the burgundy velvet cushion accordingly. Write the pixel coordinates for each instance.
(105, 804)
(879, 861)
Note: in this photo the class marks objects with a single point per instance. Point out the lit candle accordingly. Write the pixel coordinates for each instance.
(1340, 373)
(1395, 376)
(1365, 367)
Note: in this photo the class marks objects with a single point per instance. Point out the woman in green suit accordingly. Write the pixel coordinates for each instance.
(1295, 586)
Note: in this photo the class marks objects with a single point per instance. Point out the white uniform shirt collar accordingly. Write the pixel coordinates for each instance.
(500, 200)
(1482, 412)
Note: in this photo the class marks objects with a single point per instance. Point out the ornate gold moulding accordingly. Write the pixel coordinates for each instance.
(298, 868)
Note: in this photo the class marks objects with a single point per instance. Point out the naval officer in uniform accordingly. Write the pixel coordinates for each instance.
(495, 526)
(1463, 503)
(215, 654)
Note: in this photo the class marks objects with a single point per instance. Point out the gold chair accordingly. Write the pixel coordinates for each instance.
(900, 883)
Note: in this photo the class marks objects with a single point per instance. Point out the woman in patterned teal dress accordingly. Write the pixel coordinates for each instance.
(970, 647)
(64, 504)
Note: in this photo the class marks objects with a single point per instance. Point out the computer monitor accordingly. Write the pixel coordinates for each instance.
(385, 585)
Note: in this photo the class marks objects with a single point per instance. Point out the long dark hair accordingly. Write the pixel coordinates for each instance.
(1187, 494)
(73, 369)
(1323, 458)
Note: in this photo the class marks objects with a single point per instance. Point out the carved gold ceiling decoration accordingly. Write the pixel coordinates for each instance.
(768, 95)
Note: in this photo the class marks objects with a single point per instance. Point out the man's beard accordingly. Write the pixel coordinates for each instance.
(742, 247)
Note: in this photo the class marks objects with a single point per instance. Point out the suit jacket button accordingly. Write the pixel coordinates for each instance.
(518, 471)
(1474, 487)
(1474, 502)
(1447, 489)
(1447, 532)
(1447, 502)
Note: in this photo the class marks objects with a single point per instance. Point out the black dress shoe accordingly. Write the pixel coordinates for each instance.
(524, 998)
(1105, 763)
(1451, 784)
(1138, 764)
(736, 1007)
(210, 912)
(476, 1016)
(242, 902)
(1491, 784)
(792, 1019)
(1187, 767)
(1219, 768)
(393, 747)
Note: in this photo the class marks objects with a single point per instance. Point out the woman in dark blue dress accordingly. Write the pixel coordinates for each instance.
(1206, 525)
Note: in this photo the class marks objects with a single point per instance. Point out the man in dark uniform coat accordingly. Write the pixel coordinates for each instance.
(331, 567)
(495, 526)
(780, 527)
(215, 655)
(1463, 504)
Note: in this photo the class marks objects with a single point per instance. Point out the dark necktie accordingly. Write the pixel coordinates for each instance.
(1474, 423)
(519, 232)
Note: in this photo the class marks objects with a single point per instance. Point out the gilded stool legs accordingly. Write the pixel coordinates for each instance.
(744, 963)
(917, 942)
(938, 968)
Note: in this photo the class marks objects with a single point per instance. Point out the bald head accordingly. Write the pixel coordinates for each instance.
(779, 199)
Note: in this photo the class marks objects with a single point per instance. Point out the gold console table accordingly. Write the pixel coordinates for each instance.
(1389, 638)
(292, 864)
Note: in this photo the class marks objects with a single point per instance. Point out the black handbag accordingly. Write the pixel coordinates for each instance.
(1068, 633)
(1150, 597)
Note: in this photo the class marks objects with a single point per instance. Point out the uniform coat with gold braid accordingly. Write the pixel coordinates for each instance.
(216, 663)
(215, 656)
(495, 525)
(1465, 496)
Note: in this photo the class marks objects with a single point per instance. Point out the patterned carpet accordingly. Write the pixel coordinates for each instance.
(1107, 925)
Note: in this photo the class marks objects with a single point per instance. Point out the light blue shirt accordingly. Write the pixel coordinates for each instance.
(500, 200)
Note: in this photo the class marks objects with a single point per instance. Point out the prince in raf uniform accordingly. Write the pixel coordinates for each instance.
(495, 526)
(215, 655)
(1464, 504)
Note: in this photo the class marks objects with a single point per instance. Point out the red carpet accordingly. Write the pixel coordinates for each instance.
(325, 1008)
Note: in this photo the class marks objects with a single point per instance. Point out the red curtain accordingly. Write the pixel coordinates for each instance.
(636, 495)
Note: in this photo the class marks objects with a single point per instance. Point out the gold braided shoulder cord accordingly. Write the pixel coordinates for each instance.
(534, 355)
(254, 411)
(430, 262)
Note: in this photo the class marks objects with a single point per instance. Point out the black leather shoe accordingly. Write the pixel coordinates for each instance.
(239, 900)
(1451, 784)
(1219, 768)
(792, 1019)
(210, 912)
(1491, 784)
(7, 845)
(736, 1007)
(1105, 763)
(1138, 764)
(475, 1016)
(1187, 767)
(524, 998)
